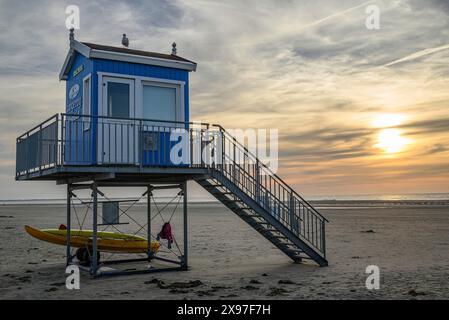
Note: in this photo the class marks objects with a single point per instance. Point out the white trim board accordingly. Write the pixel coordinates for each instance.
(117, 56)
(86, 120)
(130, 76)
(75, 46)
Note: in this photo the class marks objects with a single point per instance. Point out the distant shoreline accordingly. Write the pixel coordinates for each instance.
(320, 204)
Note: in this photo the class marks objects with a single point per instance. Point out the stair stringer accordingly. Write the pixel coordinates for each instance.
(293, 253)
(308, 250)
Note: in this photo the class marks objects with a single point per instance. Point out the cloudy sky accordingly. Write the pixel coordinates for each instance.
(358, 111)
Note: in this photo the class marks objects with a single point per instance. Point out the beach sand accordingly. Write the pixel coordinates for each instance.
(409, 243)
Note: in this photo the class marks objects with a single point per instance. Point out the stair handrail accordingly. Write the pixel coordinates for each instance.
(265, 188)
(270, 171)
(284, 205)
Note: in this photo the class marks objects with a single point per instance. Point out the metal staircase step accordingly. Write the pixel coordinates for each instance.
(210, 186)
(222, 193)
(278, 237)
(230, 200)
(233, 206)
(244, 209)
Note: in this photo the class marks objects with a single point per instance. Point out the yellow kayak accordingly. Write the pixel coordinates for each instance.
(106, 241)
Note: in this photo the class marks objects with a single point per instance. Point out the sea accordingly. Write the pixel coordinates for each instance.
(323, 201)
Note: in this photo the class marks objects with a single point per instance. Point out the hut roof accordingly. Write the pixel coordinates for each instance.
(136, 52)
(98, 51)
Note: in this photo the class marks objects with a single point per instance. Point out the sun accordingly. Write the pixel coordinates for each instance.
(391, 141)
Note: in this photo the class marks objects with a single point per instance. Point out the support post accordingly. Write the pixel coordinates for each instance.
(140, 144)
(149, 194)
(94, 263)
(69, 225)
(257, 167)
(185, 265)
(292, 211)
(223, 151)
(323, 237)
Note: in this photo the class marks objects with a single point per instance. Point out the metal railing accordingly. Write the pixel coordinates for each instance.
(258, 181)
(66, 139)
(80, 140)
(39, 148)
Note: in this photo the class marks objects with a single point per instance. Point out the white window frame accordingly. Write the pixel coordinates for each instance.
(178, 105)
(132, 99)
(139, 82)
(87, 110)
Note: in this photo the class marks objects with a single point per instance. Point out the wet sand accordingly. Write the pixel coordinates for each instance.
(228, 259)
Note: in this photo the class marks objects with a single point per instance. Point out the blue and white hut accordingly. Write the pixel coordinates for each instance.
(106, 86)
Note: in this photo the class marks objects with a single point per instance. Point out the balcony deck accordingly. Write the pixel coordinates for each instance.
(116, 174)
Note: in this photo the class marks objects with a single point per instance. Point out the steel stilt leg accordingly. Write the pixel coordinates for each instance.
(94, 263)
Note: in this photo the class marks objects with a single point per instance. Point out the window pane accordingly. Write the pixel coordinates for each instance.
(86, 97)
(86, 103)
(159, 103)
(118, 99)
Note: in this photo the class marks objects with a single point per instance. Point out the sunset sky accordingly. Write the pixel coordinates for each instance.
(358, 111)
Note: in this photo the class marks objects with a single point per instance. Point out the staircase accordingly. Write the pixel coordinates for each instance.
(260, 198)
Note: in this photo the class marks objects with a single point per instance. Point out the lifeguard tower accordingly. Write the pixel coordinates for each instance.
(126, 124)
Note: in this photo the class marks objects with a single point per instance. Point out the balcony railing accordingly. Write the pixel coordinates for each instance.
(79, 140)
(39, 148)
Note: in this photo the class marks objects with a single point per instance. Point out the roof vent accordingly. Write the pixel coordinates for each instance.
(125, 40)
(173, 49)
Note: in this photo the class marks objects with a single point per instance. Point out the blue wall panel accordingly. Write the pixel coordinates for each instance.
(74, 106)
(160, 155)
(78, 138)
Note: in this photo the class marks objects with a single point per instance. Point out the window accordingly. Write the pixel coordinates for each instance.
(118, 99)
(159, 102)
(86, 103)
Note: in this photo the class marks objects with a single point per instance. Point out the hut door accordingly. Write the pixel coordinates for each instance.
(117, 131)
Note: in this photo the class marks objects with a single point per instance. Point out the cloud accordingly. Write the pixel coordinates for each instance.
(434, 5)
(437, 148)
(336, 15)
(427, 126)
(418, 55)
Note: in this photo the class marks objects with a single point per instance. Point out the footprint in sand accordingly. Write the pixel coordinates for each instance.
(249, 288)
(254, 281)
(277, 292)
(286, 282)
